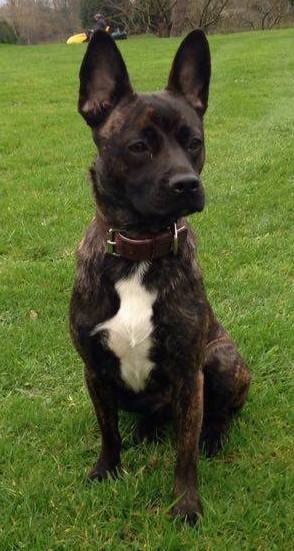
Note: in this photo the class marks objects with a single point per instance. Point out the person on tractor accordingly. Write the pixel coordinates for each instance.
(100, 23)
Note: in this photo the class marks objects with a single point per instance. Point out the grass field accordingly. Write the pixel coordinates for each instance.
(48, 430)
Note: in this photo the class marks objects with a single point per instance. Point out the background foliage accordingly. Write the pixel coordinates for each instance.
(48, 20)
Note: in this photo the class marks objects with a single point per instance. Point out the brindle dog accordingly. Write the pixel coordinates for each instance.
(145, 330)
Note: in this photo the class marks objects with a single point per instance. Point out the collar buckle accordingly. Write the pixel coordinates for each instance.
(111, 242)
(175, 244)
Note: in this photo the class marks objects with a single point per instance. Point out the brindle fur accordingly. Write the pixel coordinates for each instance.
(199, 376)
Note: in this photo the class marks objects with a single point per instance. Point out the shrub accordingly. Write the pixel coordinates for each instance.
(7, 33)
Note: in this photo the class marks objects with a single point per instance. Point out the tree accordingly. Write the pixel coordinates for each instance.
(265, 14)
(179, 17)
(143, 15)
(38, 20)
(207, 13)
(88, 8)
(7, 34)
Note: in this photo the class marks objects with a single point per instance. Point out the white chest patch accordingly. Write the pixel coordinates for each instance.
(129, 331)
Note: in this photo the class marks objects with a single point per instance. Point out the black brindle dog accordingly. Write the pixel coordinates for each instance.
(139, 317)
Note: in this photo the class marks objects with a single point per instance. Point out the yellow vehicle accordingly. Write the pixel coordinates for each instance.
(82, 37)
(85, 37)
(77, 38)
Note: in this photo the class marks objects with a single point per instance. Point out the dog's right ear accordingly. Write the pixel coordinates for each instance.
(104, 79)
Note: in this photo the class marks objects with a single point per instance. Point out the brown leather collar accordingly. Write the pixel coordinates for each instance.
(147, 247)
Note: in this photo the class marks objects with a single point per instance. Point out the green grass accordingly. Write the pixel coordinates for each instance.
(49, 435)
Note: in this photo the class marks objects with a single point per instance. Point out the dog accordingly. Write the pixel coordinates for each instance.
(139, 315)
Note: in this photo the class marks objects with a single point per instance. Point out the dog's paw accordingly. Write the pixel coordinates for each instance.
(211, 442)
(148, 433)
(101, 471)
(188, 509)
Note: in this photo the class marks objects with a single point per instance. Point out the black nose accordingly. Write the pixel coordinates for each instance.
(184, 183)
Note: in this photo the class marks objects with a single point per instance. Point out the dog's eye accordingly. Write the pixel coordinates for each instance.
(194, 145)
(138, 147)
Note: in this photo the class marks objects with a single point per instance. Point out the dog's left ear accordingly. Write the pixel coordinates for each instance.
(104, 79)
(190, 72)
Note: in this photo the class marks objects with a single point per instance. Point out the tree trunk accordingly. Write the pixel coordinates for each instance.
(163, 30)
(179, 17)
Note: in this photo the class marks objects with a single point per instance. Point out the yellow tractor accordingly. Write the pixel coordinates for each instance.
(85, 37)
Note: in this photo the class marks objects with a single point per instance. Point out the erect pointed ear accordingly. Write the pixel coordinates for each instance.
(104, 79)
(190, 72)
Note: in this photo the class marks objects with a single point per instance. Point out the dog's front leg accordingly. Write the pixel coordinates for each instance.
(188, 411)
(105, 404)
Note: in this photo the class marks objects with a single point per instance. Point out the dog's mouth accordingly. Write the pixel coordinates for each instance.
(148, 209)
(169, 209)
(156, 222)
(191, 203)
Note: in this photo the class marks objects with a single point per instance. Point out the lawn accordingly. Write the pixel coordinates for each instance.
(48, 431)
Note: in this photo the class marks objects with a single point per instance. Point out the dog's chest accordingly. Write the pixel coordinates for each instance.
(130, 330)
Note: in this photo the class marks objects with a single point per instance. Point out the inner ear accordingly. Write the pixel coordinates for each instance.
(104, 79)
(190, 72)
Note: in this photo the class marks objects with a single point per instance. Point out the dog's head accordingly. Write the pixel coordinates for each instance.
(151, 146)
